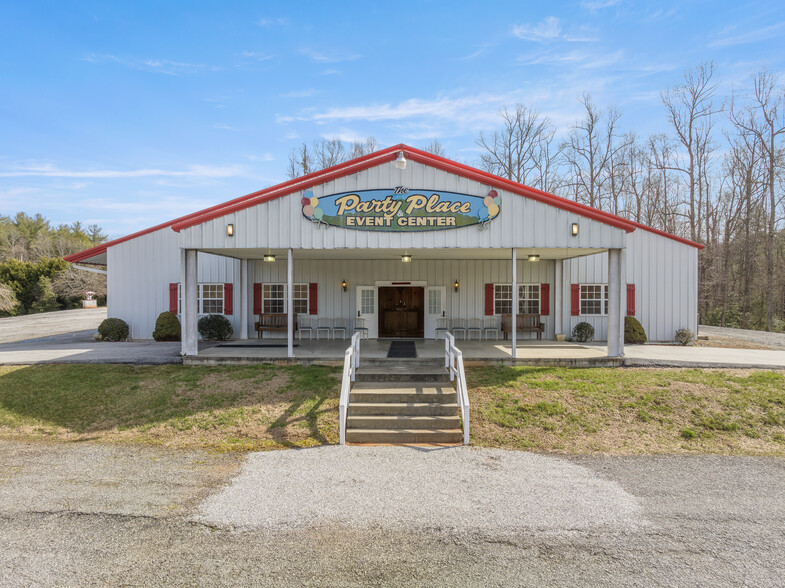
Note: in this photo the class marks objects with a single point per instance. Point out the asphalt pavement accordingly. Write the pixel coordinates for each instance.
(73, 515)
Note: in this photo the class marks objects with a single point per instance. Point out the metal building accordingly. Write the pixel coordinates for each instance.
(401, 243)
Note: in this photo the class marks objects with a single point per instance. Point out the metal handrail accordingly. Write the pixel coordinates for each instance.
(351, 361)
(453, 361)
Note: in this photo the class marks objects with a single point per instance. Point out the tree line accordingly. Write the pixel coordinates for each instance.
(714, 174)
(33, 275)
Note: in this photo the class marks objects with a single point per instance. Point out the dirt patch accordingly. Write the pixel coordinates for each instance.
(730, 343)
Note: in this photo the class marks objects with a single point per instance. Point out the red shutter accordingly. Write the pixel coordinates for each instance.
(545, 299)
(228, 300)
(630, 299)
(488, 299)
(312, 298)
(576, 299)
(257, 298)
(173, 298)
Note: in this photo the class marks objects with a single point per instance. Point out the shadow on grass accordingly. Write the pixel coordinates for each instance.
(88, 399)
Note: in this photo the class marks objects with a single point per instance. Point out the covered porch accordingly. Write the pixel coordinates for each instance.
(540, 353)
(347, 286)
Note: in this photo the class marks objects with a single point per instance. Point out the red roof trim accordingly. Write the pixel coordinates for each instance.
(365, 162)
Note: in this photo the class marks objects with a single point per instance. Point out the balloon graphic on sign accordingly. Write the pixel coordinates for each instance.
(311, 206)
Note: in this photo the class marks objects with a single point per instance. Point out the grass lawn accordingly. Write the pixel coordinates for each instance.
(619, 411)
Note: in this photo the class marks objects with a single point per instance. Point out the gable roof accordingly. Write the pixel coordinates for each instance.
(371, 160)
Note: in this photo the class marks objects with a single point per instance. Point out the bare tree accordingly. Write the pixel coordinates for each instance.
(521, 150)
(73, 283)
(591, 152)
(436, 148)
(7, 299)
(301, 162)
(764, 118)
(690, 108)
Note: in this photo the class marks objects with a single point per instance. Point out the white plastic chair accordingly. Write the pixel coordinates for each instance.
(324, 324)
(491, 325)
(459, 326)
(359, 327)
(340, 325)
(304, 325)
(475, 325)
(442, 327)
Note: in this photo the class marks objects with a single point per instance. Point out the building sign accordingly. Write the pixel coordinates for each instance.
(401, 209)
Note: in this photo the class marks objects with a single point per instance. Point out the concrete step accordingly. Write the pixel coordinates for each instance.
(434, 362)
(401, 393)
(402, 374)
(396, 421)
(404, 408)
(404, 436)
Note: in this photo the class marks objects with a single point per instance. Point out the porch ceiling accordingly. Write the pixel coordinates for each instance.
(555, 253)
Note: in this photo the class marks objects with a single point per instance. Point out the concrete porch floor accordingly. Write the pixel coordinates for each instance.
(549, 353)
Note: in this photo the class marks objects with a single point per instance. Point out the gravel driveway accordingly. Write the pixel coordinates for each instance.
(47, 324)
(386, 516)
(775, 340)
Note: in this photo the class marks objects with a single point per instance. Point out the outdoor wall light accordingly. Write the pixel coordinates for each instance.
(230, 230)
(269, 257)
(400, 163)
(574, 229)
(534, 257)
(406, 258)
(343, 285)
(456, 284)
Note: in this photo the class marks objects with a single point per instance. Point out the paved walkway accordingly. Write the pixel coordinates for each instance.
(75, 515)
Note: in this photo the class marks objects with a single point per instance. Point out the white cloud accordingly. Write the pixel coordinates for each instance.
(595, 5)
(320, 57)
(163, 66)
(754, 36)
(256, 56)
(269, 22)
(49, 171)
(547, 30)
(299, 93)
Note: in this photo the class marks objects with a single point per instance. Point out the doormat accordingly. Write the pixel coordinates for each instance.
(402, 350)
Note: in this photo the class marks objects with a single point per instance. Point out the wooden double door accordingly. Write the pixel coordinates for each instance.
(401, 311)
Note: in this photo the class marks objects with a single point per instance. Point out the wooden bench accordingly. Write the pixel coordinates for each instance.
(273, 321)
(526, 323)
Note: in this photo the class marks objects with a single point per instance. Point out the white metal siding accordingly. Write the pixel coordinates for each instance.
(523, 222)
(140, 271)
(664, 272)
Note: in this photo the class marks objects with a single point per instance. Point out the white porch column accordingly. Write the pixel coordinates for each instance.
(190, 305)
(243, 298)
(514, 326)
(558, 296)
(615, 331)
(290, 304)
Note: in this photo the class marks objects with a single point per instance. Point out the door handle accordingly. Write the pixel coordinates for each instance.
(443, 314)
(358, 314)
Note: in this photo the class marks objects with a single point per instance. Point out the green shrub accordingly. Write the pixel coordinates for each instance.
(633, 330)
(583, 332)
(113, 329)
(215, 327)
(167, 327)
(684, 336)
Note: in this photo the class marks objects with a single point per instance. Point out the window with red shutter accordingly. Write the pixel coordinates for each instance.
(173, 298)
(257, 298)
(228, 299)
(545, 299)
(313, 297)
(488, 299)
(575, 292)
(630, 299)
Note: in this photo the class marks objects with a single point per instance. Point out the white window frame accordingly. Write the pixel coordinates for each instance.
(304, 287)
(200, 298)
(605, 300)
(521, 286)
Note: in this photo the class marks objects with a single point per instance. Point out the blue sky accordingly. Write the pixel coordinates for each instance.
(129, 114)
